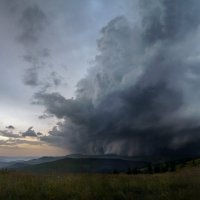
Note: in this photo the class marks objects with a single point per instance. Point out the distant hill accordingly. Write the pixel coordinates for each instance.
(43, 160)
(7, 162)
(76, 163)
(4, 164)
(22, 164)
(80, 163)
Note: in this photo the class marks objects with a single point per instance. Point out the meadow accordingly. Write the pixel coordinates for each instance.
(183, 184)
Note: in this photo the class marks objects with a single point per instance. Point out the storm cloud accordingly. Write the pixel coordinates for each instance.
(136, 99)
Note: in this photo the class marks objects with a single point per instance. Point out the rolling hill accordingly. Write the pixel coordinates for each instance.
(80, 163)
(77, 163)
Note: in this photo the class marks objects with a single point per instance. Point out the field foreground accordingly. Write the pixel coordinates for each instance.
(183, 184)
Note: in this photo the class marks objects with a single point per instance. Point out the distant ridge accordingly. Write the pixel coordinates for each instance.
(78, 163)
(83, 164)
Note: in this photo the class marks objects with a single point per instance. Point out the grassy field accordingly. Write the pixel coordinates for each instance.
(183, 184)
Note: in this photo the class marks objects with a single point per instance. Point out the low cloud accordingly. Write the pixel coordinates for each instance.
(9, 134)
(29, 133)
(10, 127)
(14, 139)
(45, 116)
(14, 142)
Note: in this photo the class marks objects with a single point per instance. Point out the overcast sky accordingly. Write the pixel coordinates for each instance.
(46, 45)
(99, 77)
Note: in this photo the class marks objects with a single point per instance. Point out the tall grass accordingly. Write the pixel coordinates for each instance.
(183, 184)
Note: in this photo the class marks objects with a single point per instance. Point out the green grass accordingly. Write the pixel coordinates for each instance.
(183, 184)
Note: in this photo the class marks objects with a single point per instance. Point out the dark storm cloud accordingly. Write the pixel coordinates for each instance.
(133, 100)
(167, 20)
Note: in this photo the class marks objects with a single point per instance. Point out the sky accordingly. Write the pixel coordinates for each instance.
(45, 46)
(99, 77)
